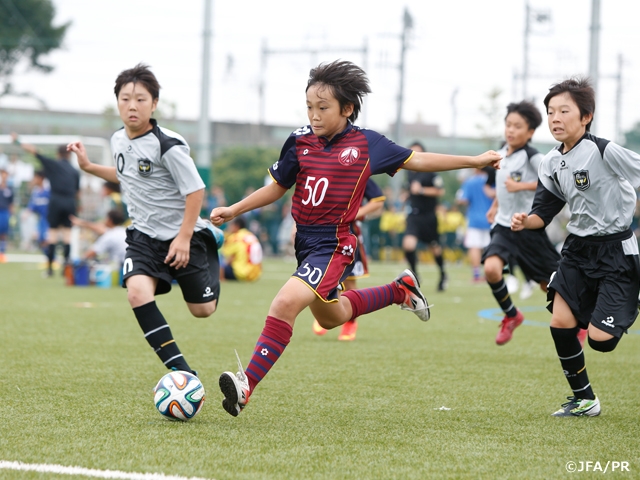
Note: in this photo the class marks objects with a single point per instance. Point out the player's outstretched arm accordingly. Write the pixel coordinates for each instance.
(261, 197)
(439, 162)
(25, 146)
(520, 221)
(103, 171)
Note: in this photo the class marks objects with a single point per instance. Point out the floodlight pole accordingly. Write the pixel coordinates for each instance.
(203, 155)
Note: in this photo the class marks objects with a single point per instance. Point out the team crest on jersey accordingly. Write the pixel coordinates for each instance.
(349, 156)
(145, 167)
(581, 179)
(516, 176)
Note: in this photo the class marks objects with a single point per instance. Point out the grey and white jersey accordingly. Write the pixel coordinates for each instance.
(521, 166)
(156, 174)
(597, 179)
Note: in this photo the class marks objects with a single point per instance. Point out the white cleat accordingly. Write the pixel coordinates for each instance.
(414, 301)
(235, 389)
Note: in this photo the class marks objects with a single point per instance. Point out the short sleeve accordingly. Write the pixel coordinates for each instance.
(625, 163)
(535, 161)
(386, 156)
(285, 171)
(373, 192)
(183, 169)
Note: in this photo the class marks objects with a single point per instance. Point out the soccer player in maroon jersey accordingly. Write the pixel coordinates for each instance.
(329, 162)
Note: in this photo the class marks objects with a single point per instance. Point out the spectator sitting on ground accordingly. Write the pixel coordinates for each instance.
(110, 247)
(242, 253)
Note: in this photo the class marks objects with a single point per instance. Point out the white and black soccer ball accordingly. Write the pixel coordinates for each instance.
(179, 395)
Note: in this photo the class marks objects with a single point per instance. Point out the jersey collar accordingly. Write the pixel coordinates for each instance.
(561, 147)
(337, 136)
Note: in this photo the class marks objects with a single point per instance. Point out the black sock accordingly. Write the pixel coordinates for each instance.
(501, 294)
(214, 269)
(571, 358)
(440, 262)
(158, 334)
(411, 258)
(51, 253)
(66, 250)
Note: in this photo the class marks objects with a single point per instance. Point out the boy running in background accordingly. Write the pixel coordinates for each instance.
(167, 239)
(328, 162)
(6, 210)
(515, 187)
(39, 204)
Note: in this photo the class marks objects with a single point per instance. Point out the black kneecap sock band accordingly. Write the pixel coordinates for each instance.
(606, 346)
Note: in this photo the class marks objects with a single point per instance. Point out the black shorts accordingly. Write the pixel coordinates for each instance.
(199, 280)
(59, 210)
(424, 227)
(599, 278)
(530, 249)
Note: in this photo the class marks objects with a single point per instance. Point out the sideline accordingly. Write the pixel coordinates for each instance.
(496, 315)
(88, 472)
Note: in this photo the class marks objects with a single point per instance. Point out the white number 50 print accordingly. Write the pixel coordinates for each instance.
(317, 190)
(314, 275)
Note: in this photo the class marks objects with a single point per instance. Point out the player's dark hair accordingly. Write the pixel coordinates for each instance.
(113, 186)
(526, 110)
(348, 83)
(63, 152)
(138, 74)
(581, 92)
(239, 221)
(419, 145)
(116, 216)
(39, 173)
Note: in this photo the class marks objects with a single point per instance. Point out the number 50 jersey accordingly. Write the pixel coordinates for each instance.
(331, 176)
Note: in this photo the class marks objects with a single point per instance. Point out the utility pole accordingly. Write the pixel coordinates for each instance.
(203, 155)
(525, 46)
(314, 52)
(618, 124)
(454, 121)
(407, 25)
(594, 49)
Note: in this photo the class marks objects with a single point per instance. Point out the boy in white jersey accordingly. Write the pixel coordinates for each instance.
(515, 184)
(167, 239)
(596, 284)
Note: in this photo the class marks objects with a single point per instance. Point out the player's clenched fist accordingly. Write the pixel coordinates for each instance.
(490, 158)
(518, 220)
(220, 215)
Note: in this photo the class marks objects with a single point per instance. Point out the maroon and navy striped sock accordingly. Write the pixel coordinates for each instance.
(274, 339)
(367, 300)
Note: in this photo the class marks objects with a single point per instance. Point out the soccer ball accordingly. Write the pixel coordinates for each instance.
(179, 395)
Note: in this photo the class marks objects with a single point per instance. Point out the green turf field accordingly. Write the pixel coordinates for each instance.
(406, 400)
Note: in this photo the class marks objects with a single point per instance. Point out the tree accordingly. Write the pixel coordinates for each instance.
(490, 129)
(239, 168)
(26, 29)
(632, 138)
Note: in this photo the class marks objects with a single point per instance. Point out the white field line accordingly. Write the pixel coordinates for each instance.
(88, 472)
